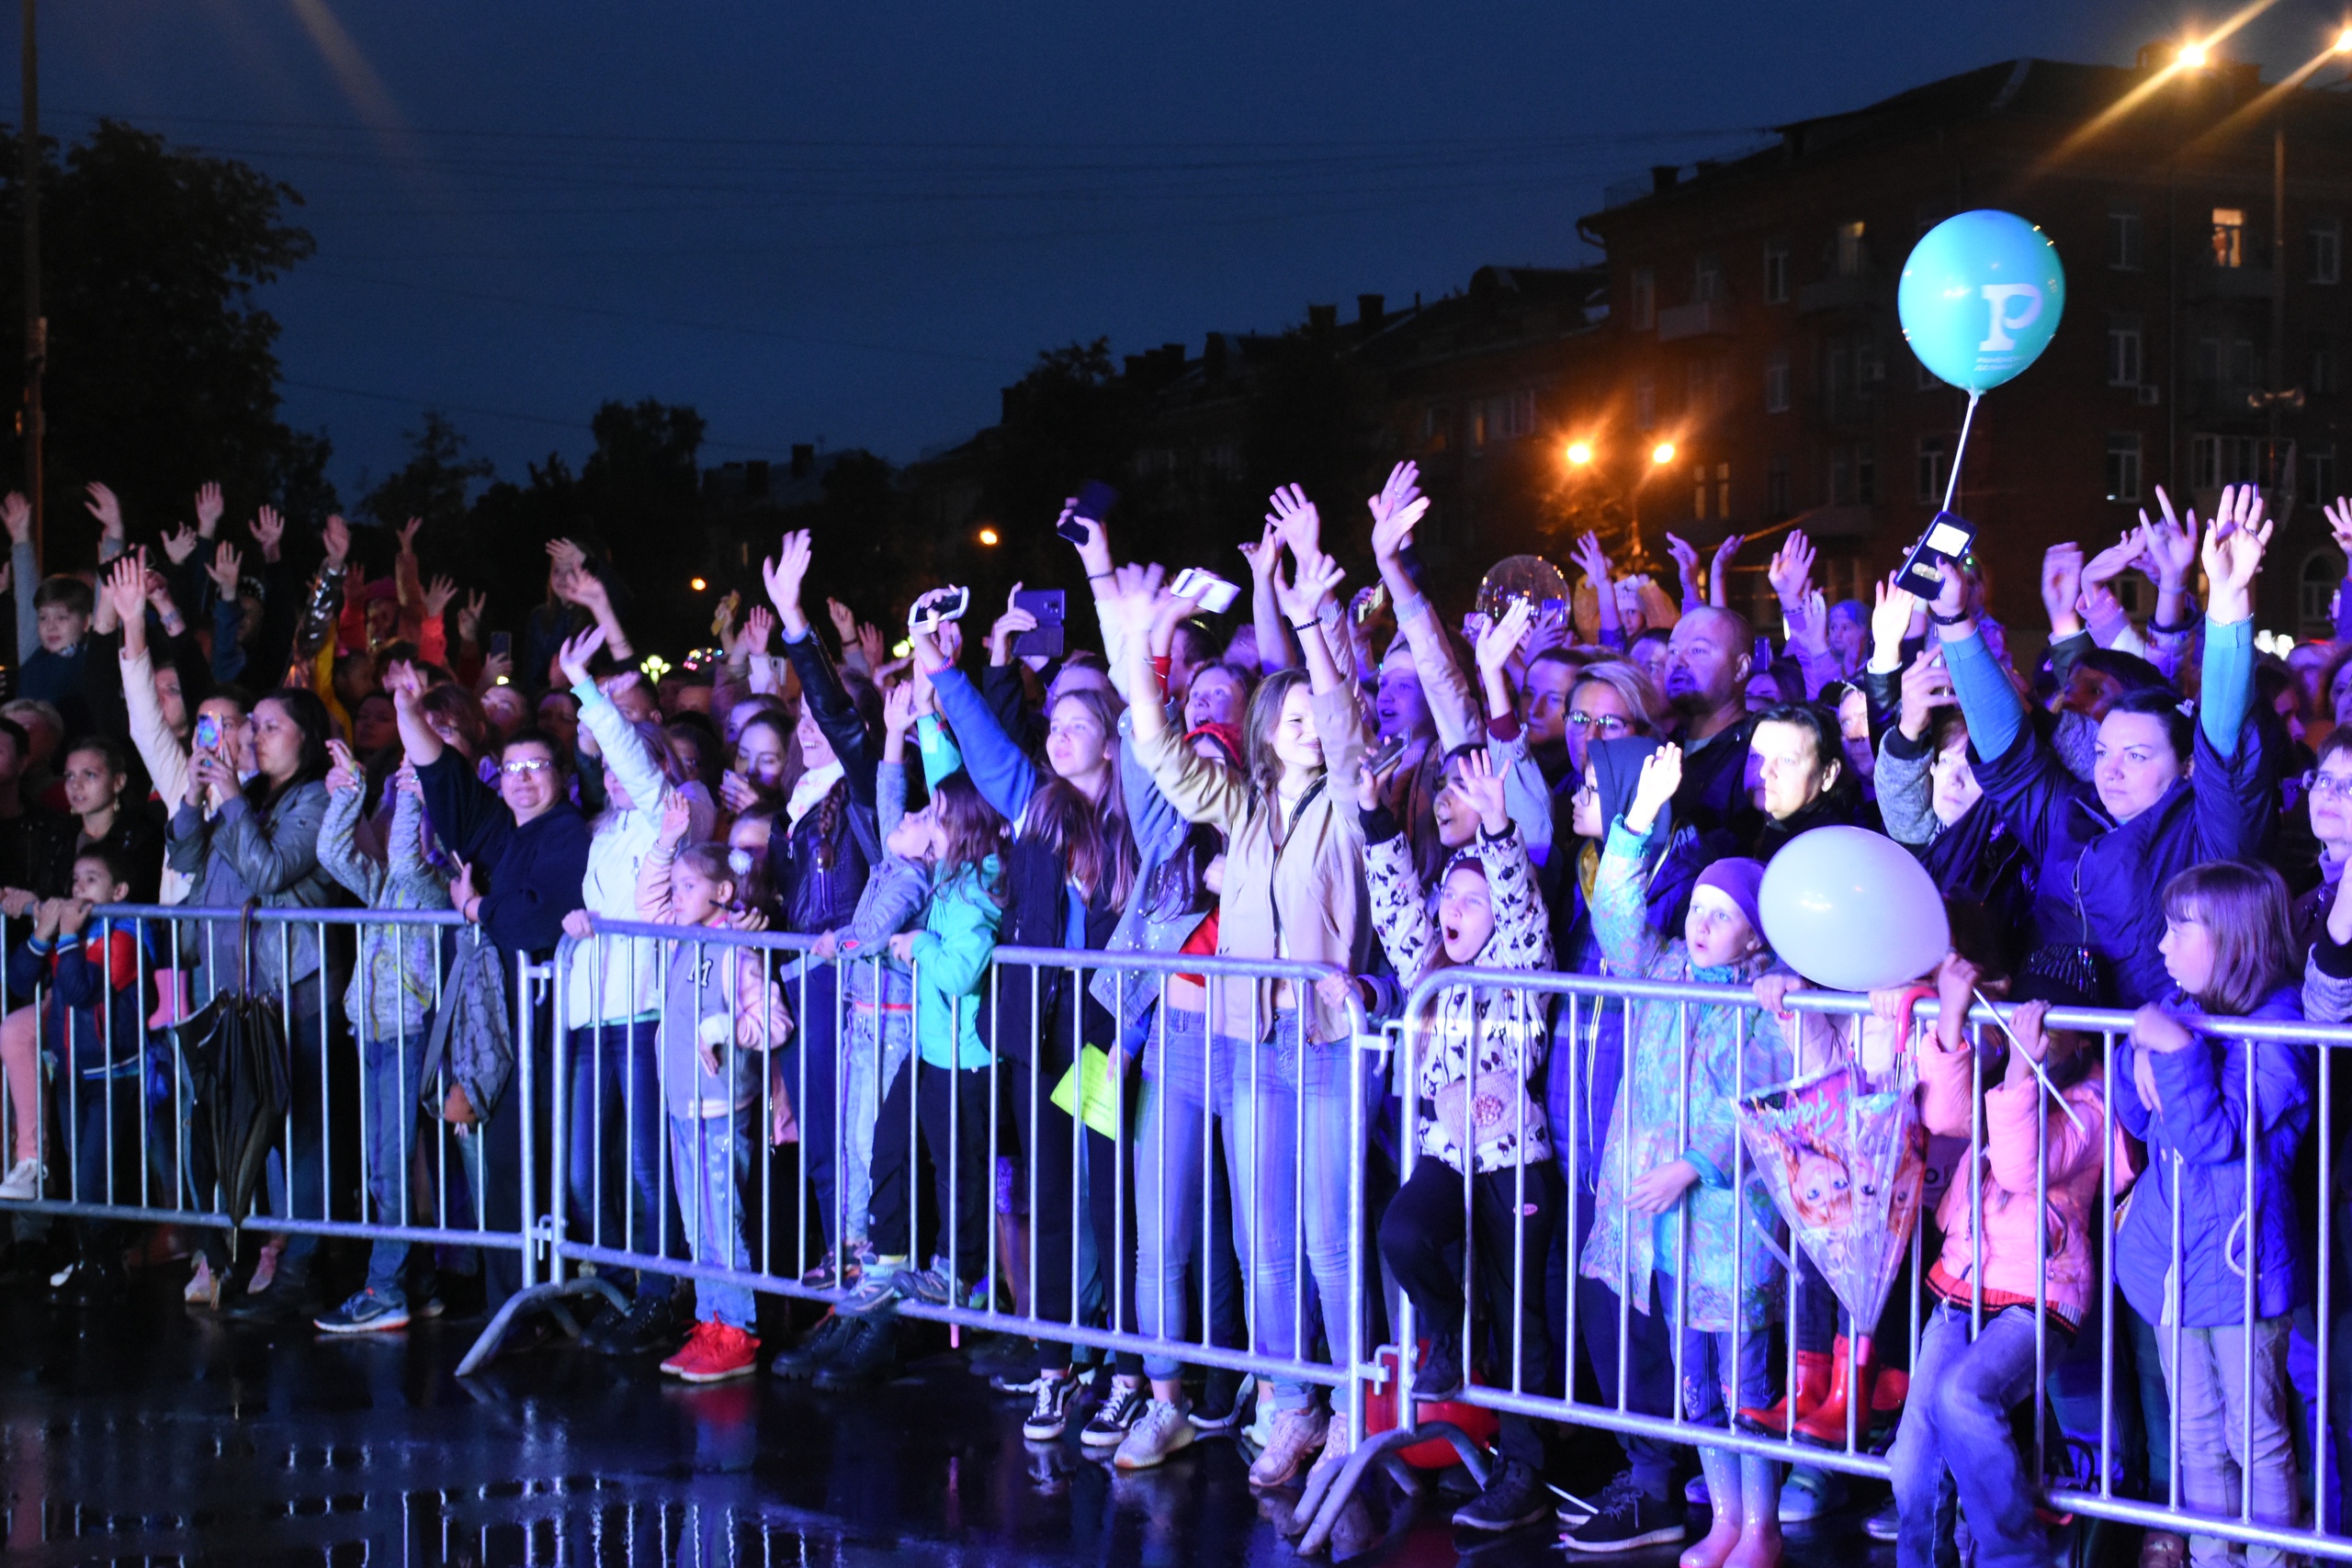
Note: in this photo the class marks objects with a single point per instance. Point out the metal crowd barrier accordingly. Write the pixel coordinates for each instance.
(1583, 1001)
(182, 956)
(122, 1146)
(1019, 1085)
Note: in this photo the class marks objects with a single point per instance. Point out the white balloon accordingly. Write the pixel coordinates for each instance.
(1852, 910)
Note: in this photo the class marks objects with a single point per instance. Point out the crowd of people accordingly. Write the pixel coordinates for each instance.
(2150, 817)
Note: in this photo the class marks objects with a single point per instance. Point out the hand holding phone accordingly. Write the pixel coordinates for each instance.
(1947, 541)
(1215, 594)
(1094, 502)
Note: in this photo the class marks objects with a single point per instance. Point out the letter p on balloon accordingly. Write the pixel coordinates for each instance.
(2000, 297)
(1980, 298)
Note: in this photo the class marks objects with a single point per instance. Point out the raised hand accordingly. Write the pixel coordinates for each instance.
(1008, 626)
(1686, 566)
(227, 570)
(784, 573)
(125, 585)
(573, 657)
(408, 530)
(1891, 618)
(439, 593)
(470, 618)
(2116, 559)
(844, 621)
(345, 773)
(1926, 686)
(2062, 587)
(1500, 640)
(1095, 549)
(180, 543)
(16, 513)
(2232, 553)
(268, 531)
(759, 630)
(1661, 776)
(1399, 496)
(105, 509)
(1791, 571)
(677, 816)
(405, 681)
(1263, 556)
(902, 705)
(1593, 561)
(566, 557)
(870, 643)
(1302, 600)
(2171, 549)
(1719, 571)
(1475, 779)
(1294, 517)
(208, 509)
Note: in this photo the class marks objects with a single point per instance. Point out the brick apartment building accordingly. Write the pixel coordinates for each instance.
(1753, 320)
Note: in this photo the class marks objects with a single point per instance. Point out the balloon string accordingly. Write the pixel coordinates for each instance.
(1951, 481)
(2019, 1046)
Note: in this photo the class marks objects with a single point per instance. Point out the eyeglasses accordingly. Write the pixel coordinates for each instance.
(2330, 786)
(1609, 726)
(523, 766)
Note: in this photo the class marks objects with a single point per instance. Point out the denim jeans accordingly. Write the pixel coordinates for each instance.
(1955, 1443)
(1721, 1371)
(1280, 1114)
(1173, 1250)
(388, 1114)
(870, 1066)
(616, 1087)
(812, 1054)
(2212, 1398)
(710, 1159)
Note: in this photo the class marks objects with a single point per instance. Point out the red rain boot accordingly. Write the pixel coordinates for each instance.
(1826, 1427)
(1812, 1387)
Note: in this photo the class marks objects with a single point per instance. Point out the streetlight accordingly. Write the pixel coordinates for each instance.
(2194, 54)
(697, 583)
(1662, 454)
(989, 536)
(2344, 42)
(1580, 454)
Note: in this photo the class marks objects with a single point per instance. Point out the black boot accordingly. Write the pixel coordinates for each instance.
(867, 1354)
(819, 1347)
(651, 1324)
(1441, 1371)
(1513, 1498)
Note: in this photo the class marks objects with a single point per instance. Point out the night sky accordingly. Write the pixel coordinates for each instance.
(855, 224)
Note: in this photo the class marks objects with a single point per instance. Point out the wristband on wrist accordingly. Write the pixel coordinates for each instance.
(1303, 627)
(1949, 620)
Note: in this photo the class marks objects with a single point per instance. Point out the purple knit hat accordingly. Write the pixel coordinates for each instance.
(1738, 879)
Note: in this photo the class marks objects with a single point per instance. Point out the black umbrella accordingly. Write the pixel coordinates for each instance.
(238, 1071)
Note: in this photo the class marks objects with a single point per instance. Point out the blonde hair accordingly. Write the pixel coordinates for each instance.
(2247, 908)
(1630, 683)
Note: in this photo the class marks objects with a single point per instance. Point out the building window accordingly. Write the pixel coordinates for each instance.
(1646, 404)
(2322, 365)
(1776, 274)
(1643, 287)
(2228, 236)
(1707, 278)
(2124, 351)
(1699, 492)
(1853, 476)
(1866, 476)
(1776, 490)
(2123, 241)
(1776, 382)
(2124, 466)
(1723, 490)
(2327, 251)
(2319, 475)
(1934, 469)
(1851, 258)
(2218, 460)
(1511, 417)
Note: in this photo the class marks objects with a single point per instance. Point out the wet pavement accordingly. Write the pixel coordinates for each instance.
(143, 1431)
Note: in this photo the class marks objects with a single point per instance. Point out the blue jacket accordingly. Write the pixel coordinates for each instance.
(77, 970)
(2098, 883)
(2197, 1148)
(1160, 831)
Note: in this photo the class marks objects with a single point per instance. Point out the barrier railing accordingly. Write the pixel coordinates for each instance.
(1029, 1018)
(2258, 1510)
(1109, 1237)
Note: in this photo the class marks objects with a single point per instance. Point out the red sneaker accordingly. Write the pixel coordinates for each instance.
(717, 1353)
(679, 1360)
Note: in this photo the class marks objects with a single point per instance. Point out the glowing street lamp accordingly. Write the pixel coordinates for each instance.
(1662, 454)
(2194, 54)
(1580, 454)
(989, 536)
(2344, 42)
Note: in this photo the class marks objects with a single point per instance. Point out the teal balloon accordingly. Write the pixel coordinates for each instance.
(1980, 298)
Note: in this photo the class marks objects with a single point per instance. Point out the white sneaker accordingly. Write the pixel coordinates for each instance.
(1336, 1447)
(1297, 1434)
(23, 1183)
(203, 1289)
(1162, 1430)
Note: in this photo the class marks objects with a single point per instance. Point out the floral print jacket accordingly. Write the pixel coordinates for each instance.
(1470, 1031)
(1648, 1127)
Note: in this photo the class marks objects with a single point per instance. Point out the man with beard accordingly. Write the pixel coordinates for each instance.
(1707, 663)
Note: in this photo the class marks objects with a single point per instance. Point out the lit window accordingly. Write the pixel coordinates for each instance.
(1850, 255)
(2228, 236)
